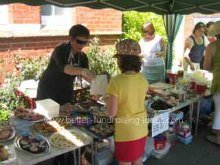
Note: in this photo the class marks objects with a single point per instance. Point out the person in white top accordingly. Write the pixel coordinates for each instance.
(153, 49)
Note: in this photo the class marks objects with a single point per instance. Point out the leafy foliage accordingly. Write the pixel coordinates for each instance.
(133, 21)
(4, 116)
(31, 68)
(101, 60)
(25, 69)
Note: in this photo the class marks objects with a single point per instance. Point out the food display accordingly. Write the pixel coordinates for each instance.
(82, 118)
(98, 111)
(62, 121)
(81, 94)
(44, 128)
(7, 132)
(102, 130)
(60, 141)
(78, 136)
(26, 114)
(158, 106)
(55, 125)
(65, 139)
(4, 153)
(67, 109)
(87, 104)
(35, 144)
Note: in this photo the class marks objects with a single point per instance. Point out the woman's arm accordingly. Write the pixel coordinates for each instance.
(163, 49)
(187, 48)
(87, 74)
(112, 105)
(208, 57)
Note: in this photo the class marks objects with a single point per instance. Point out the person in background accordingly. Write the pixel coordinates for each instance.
(195, 47)
(153, 49)
(67, 62)
(210, 39)
(212, 63)
(125, 102)
(210, 25)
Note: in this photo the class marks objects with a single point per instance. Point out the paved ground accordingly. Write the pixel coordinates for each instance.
(199, 152)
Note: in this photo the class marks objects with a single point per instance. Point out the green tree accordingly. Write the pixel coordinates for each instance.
(133, 21)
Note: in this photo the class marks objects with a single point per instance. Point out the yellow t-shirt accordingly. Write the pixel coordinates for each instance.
(131, 118)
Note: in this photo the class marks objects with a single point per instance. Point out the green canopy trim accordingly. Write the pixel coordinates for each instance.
(156, 6)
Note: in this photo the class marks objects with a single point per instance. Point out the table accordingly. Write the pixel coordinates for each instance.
(189, 102)
(24, 158)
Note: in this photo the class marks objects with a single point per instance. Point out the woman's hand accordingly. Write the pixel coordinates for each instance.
(88, 74)
(192, 66)
(159, 54)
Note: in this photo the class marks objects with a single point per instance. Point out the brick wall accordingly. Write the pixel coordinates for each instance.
(103, 20)
(30, 47)
(24, 14)
(105, 23)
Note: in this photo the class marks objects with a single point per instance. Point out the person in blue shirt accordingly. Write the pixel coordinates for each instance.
(194, 48)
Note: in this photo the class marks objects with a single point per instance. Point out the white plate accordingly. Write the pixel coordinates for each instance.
(17, 145)
(60, 142)
(11, 137)
(69, 134)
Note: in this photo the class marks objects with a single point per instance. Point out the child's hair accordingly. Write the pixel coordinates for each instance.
(129, 63)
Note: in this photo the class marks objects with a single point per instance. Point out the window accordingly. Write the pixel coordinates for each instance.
(3, 14)
(53, 15)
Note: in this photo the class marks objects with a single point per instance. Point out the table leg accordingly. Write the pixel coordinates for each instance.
(197, 116)
(191, 106)
(93, 148)
(92, 153)
(74, 155)
(79, 155)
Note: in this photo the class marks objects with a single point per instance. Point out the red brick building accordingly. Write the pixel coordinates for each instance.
(31, 31)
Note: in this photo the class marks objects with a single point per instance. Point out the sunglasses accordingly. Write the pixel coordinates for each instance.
(80, 42)
(148, 32)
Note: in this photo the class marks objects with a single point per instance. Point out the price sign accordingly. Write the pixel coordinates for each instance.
(160, 123)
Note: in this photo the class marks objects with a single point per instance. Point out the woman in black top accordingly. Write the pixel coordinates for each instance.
(67, 62)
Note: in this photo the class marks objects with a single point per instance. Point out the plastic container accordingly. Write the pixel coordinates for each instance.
(185, 140)
(171, 137)
(48, 108)
(184, 133)
(21, 125)
(161, 153)
(103, 157)
(200, 88)
(159, 142)
(98, 85)
(176, 115)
